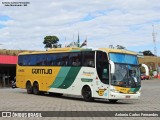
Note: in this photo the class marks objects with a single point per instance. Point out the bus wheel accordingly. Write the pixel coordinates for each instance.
(113, 101)
(29, 88)
(87, 94)
(36, 88)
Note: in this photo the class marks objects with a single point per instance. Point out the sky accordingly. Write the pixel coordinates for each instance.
(102, 22)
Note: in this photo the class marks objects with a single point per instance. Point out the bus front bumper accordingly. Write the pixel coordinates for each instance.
(118, 96)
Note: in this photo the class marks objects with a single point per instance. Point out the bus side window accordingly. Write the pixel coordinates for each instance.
(25, 60)
(57, 59)
(40, 60)
(33, 60)
(29, 60)
(44, 60)
(53, 60)
(88, 59)
(49, 59)
(91, 63)
(75, 59)
(20, 60)
(64, 59)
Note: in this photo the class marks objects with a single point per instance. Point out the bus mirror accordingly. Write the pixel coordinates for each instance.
(146, 69)
(112, 67)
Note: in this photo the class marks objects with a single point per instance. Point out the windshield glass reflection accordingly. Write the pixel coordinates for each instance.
(126, 76)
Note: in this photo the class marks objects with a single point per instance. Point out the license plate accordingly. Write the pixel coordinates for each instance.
(127, 96)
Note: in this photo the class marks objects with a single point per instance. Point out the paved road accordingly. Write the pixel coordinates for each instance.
(18, 100)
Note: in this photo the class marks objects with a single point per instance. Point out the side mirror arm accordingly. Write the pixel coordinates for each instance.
(112, 66)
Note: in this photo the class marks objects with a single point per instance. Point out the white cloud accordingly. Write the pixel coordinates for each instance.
(128, 23)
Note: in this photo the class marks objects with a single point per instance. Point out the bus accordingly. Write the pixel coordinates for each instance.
(104, 73)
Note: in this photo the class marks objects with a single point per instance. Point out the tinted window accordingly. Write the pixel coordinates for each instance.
(61, 59)
(102, 65)
(26, 60)
(75, 59)
(88, 59)
(51, 59)
(33, 60)
(64, 59)
(58, 59)
(41, 59)
(123, 58)
(20, 60)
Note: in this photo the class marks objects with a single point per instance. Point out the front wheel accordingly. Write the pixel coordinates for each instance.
(87, 94)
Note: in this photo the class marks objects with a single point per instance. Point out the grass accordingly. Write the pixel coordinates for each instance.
(11, 52)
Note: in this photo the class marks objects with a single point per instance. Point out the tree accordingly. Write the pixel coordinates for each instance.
(148, 53)
(120, 47)
(51, 41)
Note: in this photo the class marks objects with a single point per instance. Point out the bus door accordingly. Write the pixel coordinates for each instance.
(102, 79)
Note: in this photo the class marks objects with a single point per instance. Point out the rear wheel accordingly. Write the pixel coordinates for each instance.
(87, 94)
(29, 88)
(113, 101)
(36, 88)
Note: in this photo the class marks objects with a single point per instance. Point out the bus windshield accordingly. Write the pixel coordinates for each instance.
(123, 58)
(126, 70)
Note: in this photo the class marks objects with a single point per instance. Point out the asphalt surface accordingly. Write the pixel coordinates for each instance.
(18, 100)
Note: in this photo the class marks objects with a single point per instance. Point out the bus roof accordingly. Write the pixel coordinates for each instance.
(57, 50)
(70, 49)
(109, 50)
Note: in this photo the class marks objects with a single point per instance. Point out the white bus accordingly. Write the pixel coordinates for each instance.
(111, 74)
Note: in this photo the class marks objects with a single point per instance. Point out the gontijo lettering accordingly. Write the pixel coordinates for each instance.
(41, 71)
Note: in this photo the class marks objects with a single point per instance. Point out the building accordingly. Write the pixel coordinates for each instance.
(150, 61)
(8, 61)
(7, 69)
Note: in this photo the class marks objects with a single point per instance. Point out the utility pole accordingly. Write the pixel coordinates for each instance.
(65, 42)
(78, 42)
(155, 48)
(154, 40)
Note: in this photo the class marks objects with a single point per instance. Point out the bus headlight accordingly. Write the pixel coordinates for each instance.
(138, 92)
(115, 91)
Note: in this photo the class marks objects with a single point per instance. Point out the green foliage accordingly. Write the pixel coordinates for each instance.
(142, 69)
(151, 73)
(10, 52)
(148, 53)
(50, 41)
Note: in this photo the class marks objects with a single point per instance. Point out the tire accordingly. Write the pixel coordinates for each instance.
(113, 101)
(87, 94)
(29, 88)
(36, 88)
